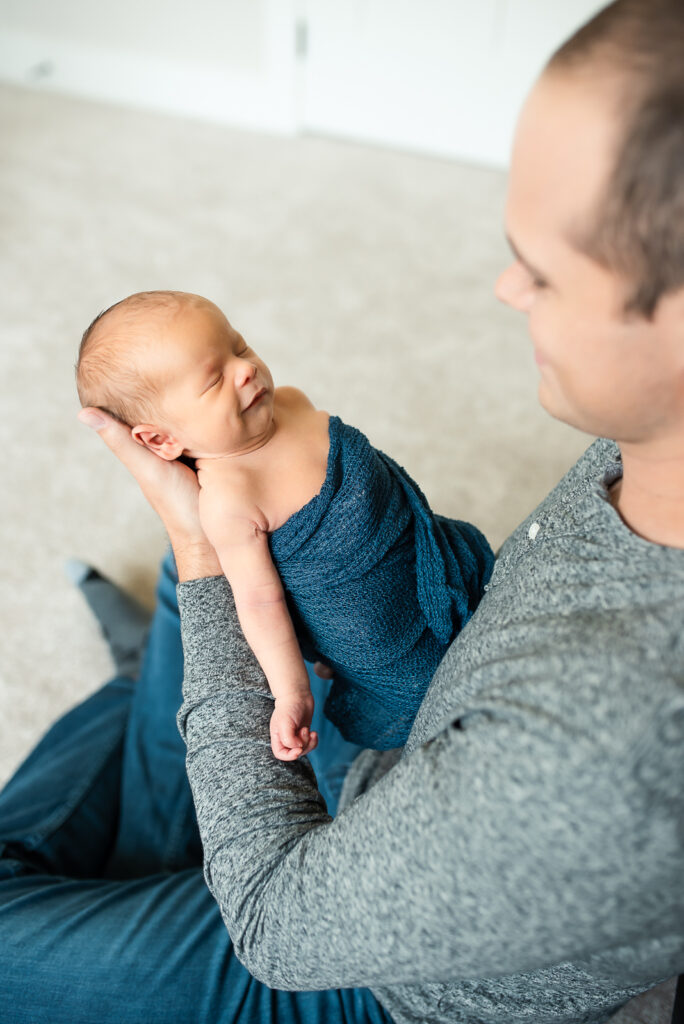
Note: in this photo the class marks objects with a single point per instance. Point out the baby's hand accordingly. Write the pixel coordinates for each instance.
(290, 733)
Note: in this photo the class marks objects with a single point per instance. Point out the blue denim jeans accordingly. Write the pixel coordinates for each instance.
(104, 913)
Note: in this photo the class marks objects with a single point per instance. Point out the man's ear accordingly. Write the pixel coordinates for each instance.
(165, 445)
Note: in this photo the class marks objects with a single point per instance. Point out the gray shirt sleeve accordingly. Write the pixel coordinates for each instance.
(485, 851)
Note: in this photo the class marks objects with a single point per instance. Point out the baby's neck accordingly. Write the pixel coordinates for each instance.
(204, 460)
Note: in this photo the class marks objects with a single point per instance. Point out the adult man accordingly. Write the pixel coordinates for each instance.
(522, 860)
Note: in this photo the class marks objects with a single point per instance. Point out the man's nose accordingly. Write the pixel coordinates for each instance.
(513, 287)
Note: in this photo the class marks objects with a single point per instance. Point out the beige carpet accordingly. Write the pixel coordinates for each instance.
(361, 275)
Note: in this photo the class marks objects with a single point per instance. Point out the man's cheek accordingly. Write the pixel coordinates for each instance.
(542, 333)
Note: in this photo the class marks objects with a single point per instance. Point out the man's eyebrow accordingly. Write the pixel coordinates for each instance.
(525, 262)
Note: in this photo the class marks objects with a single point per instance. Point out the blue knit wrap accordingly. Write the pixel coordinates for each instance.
(377, 586)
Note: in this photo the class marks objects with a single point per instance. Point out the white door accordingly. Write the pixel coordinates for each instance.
(441, 76)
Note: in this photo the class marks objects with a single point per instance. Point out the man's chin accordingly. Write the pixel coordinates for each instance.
(559, 410)
(547, 402)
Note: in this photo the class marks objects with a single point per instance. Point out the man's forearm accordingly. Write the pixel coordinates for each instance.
(195, 557)
(431, 873)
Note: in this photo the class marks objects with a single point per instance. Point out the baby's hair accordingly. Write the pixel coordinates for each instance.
(108, 372)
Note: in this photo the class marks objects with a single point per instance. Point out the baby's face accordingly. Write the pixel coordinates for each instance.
(218, 395)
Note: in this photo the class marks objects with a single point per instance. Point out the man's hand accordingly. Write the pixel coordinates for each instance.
(290, 734)
(171, 489)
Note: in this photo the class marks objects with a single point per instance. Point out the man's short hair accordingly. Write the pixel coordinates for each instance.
(638, 227)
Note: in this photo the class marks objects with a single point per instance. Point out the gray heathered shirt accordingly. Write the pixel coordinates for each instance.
(524, 859)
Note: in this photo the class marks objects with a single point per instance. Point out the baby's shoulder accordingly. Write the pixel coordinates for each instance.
(293, 398)
(300, 423)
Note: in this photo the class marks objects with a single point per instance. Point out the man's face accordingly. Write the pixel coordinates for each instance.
(218, 395)
(601, 371)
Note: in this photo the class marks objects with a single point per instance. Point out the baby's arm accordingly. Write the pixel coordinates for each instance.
(242, 548)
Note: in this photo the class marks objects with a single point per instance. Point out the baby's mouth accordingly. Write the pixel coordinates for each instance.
(257, 398)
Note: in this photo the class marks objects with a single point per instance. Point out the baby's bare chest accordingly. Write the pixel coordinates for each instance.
(276, 481)
(296, 473)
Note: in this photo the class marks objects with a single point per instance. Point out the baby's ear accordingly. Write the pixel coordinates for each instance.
(165, 445)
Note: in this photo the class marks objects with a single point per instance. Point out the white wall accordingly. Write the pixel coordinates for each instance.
(226, 60)
(225, 30)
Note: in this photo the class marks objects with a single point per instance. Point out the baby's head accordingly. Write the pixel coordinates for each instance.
(170, 365)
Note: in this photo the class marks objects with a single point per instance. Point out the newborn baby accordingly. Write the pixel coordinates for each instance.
(309, 522)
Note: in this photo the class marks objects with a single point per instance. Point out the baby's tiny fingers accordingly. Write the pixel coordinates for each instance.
(291, 754)
(312, 744)
(283, 751)
(289, 734)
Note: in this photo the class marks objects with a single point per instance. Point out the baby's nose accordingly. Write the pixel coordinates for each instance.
(245, 372)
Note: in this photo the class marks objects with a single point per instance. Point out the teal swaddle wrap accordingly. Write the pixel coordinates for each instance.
(377, 586)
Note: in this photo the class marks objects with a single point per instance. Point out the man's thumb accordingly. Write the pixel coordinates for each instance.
(92, 418)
